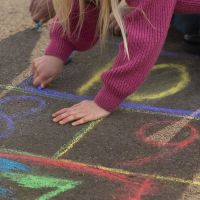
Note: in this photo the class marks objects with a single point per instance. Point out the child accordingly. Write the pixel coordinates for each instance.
(144, 32)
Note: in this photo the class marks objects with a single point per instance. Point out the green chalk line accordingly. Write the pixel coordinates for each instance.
(38, 182)
(76, 139)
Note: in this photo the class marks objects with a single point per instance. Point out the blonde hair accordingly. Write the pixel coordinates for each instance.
(63, 10)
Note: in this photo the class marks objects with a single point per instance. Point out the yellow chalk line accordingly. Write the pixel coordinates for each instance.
(158, 113)
(184, 81)
(77, 138)
(26, 73)
(165, 135)
(95, 78)
(192, 191)
(17, 80)
(19, 89)
(118, 171)
(157, 177)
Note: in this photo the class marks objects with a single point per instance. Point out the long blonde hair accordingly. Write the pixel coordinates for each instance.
(63, 9)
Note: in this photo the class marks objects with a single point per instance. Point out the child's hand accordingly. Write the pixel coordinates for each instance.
(46, 69)
(80, 113)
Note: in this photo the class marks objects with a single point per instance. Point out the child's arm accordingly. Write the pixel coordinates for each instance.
(146, 36)
(49, 66)
(61, 46)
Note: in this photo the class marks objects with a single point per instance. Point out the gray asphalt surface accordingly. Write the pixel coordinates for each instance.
(147, 150)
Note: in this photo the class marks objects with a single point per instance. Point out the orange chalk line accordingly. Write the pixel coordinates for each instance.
(113, 170)
(77, 138)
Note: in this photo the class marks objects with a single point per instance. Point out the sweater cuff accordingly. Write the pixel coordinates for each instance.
(107, 100)
(60, 49)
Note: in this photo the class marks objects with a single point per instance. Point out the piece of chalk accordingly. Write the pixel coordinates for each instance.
(40, 88)
(37, 25)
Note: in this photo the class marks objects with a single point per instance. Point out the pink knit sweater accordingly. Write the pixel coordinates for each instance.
(145, 41)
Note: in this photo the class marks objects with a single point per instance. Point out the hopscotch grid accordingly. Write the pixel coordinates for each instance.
(127, 106)
(84, 131)
(80, 134)
(64, 150)
(76, 139)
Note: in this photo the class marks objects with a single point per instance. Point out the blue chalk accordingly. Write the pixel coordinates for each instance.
(10, 165)
(37, 24)
(40, 88)
(69, 60)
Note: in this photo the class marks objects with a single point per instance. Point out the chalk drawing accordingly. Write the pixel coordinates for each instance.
(9, 119)
(41, 104)
(78, 136)
(9, 165)
(95, 78)
(175, 146)
(182, 83)
(10, 169)
(6, 194)
(38, 182)
(95, 170)
(135, 189)
(9, 126)
(125, 105)
(177, 87)
(167, 133)
(140, 188)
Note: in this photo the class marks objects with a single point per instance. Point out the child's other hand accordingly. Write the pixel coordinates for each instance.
(46, 69)
(80, 113)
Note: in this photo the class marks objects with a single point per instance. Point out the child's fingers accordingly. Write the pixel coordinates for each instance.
(60, 117)
(45, 83)
(72, 117)
(83, 120)
(60, 112)
(37, 81)
(78, 105)
(36, 62)
(65, 115)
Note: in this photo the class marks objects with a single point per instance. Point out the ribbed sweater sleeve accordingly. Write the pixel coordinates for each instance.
(188, 6)
(146, 28)
(61, 45)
